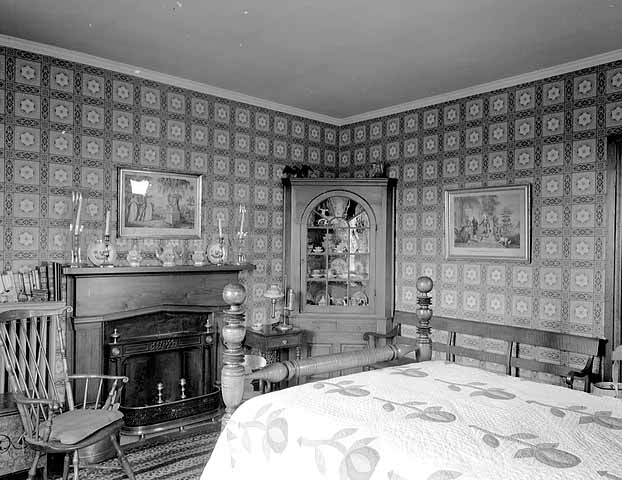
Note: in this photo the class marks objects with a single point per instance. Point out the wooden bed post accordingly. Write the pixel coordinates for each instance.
(233, 333)
(424, 314)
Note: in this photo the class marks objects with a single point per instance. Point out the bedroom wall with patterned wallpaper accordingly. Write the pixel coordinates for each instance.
(66, 126)
(550, 134)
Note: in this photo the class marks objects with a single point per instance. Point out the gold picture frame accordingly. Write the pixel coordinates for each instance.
(488, 223)
(157, 204)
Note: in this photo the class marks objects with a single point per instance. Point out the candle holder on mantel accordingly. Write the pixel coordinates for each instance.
(240, 257)
(217, 252)
(76, 246)
(108, 252)
(240, 235)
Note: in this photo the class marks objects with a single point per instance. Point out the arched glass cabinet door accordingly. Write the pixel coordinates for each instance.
(338, 240)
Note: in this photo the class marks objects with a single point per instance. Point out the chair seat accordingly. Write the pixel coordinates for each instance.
(74, 426)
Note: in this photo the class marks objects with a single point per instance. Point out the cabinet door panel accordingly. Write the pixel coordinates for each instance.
(339, 244)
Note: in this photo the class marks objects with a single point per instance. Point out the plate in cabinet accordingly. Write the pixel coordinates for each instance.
(339, 267)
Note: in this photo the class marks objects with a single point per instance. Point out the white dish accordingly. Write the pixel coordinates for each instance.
(339, 266)
(359, 299)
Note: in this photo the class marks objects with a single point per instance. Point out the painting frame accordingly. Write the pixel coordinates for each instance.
(158, 204)
(506, 235)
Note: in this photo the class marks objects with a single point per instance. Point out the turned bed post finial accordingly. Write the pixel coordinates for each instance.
(424, 314)
(233, 333)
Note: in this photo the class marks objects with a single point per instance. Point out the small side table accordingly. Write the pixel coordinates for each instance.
(288, 343)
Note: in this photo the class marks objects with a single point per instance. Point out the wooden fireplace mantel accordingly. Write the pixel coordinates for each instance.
(99, 295)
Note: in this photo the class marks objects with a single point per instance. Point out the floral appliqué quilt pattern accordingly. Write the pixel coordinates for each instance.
(433, 421)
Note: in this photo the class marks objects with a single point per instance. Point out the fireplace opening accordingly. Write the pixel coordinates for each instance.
(169, 358)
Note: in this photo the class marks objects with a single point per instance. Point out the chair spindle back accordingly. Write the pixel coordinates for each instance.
(29, 340)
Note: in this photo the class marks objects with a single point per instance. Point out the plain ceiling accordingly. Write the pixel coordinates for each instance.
(334, 57)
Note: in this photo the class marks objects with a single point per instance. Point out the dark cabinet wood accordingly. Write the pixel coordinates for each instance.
(339, 255)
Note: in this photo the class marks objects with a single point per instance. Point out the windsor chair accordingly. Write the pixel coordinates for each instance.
(32, 349)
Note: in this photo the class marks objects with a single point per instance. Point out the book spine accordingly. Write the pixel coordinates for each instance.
(43, 275)
(58, 281)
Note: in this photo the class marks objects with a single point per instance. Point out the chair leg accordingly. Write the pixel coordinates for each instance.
(76, 464)
(66, 466)
(33, 468)
(127, 468)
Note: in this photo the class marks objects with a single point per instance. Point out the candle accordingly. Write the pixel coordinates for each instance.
(243, 211)
(77, 227)
(107, 231)
(219, 227)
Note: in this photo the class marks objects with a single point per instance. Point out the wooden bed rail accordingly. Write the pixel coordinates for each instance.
(277, 372)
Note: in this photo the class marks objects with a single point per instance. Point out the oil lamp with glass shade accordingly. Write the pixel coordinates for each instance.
(274, 293)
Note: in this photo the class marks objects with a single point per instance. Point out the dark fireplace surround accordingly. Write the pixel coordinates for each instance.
(157, 325)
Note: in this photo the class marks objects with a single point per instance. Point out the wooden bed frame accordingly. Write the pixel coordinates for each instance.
(397, 346)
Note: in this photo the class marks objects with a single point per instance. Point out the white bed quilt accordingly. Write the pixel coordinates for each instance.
(430, 421)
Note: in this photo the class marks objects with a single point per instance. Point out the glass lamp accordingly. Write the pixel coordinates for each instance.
(274, 293)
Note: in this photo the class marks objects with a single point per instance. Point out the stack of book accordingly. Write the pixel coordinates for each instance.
(40, 284)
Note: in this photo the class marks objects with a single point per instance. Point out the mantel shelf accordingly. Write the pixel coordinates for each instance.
(153, 270)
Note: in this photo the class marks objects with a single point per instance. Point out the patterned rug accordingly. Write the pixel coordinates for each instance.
(178, 456)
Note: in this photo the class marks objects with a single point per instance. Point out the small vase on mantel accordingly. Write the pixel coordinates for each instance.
(198, 258)
(133, 255)
(167, 255)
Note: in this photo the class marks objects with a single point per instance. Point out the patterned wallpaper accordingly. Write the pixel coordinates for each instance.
(66, 127)
(550, 134)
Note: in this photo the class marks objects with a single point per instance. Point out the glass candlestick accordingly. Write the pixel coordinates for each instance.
(76, 247)
(108, 253)
(240, 258)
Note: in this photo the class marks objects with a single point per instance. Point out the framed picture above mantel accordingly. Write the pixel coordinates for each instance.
(488, 223)
(155, 204)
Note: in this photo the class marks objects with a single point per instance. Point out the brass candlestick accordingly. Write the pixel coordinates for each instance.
(287, 310)
(108, 252)
(160, 388)
(182, 386)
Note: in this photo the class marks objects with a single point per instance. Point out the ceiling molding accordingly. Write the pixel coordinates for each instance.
(575, 65)
(79, 57)
(136, 71)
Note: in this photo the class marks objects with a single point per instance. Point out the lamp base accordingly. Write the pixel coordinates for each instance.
(283, 326)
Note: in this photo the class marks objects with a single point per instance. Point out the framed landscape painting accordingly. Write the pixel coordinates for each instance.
(491, 222)
(159, 204)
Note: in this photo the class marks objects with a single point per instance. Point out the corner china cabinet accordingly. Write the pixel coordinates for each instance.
(339, 241)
